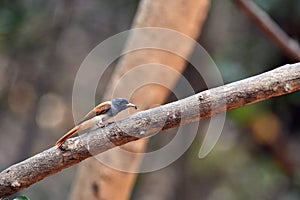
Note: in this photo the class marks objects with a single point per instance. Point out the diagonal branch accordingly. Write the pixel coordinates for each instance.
(283, 80)
(290, 47)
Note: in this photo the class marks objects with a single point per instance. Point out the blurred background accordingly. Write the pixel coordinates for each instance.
(42, 44)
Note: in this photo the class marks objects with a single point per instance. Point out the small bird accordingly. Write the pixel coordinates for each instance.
(96, 117)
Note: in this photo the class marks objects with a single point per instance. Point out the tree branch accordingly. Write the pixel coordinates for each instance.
(290, 47)
(280, 81)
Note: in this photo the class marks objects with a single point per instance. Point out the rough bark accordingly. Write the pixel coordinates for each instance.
(283, 80)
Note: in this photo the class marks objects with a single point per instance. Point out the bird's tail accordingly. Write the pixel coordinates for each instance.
(66, 136)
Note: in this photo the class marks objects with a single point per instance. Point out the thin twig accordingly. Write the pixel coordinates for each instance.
(289, 46)
(280, 81)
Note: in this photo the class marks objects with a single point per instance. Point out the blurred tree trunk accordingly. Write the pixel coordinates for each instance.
(97, 181)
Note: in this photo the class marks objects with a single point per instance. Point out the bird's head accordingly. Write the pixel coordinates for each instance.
(120, 104)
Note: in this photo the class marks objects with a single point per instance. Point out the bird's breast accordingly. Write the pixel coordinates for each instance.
(100, 118)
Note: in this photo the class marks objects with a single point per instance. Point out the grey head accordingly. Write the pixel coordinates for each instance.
(119, 104)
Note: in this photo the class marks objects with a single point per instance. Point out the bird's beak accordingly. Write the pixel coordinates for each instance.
(131, 105)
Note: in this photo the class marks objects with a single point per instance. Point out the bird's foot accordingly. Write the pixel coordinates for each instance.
(108, 123)
(103, 124)
(100, 124)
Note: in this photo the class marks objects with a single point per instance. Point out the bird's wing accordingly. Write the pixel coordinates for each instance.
(98, 110)
(84, 126)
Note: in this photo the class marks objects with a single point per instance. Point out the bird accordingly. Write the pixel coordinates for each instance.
(96, 117)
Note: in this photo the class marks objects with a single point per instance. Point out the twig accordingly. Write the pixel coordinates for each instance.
(280, 81)
(289, 46)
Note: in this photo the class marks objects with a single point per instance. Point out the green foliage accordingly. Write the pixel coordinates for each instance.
(246, 114)
(22, 197)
